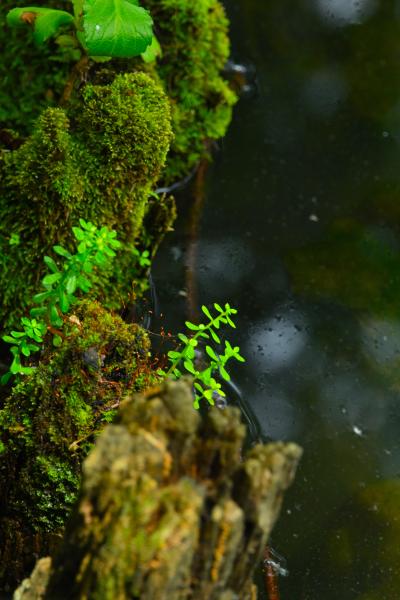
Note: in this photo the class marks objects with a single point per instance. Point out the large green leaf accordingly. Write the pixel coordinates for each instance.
(116, 28)
(45, 21)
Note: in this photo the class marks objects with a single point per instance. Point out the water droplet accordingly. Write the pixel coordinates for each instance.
(358, 431)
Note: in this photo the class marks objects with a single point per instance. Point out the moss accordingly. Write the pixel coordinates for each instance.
(100, 163)
(48, 424)
(195, 44)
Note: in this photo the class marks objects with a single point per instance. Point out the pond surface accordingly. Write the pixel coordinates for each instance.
(298, 226)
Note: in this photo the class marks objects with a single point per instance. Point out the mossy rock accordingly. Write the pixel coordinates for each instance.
(98, 162)
(49, 422)
(195, 49)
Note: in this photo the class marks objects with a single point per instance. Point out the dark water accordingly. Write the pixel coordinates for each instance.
(300, 230)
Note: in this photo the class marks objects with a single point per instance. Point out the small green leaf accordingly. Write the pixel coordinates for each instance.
(207, 312)
(41, 297)
(189, 367)
(57, 340)
(18, 334)
(191, 326)
(64, 302)
(215, 337)
(51, 264)
(55, 318)
(78, 233)
(218, 308)
(211, 353)
(71, 284)
(9, 339)
(62, 251)
(40, 311)
(224, 373)
(45, 21)
(50, 279)
(6, 377)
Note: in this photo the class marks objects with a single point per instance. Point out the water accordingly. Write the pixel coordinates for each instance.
(300, 230)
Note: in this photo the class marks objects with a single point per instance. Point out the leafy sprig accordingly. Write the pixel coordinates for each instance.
(205, 384)
(100, 28)
(95, 248)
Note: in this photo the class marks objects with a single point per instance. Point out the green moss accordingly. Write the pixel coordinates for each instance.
(98, 162)
(50, 419)
(195, 44)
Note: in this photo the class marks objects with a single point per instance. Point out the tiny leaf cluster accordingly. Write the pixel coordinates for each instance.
(95, 248)
(100, 28)
(205, 384)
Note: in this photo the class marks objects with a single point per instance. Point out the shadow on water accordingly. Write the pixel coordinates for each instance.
(300, 230)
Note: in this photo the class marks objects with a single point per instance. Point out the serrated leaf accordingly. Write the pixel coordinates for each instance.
(45, 21)
(117, 28)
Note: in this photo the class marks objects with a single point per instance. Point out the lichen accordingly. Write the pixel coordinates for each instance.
(49, 422)
(98, 162)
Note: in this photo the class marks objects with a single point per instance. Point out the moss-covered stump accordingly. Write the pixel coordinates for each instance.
(48, 424)
(168, 509)
(100, 162)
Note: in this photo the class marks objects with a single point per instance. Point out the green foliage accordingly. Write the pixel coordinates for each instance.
(44, 21)
(50, 419)
(205, 384)
(117, 28)
(195, 48)
(95, 249)
(98, 161)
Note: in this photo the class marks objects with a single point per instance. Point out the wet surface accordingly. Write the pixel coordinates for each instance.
(299, 229)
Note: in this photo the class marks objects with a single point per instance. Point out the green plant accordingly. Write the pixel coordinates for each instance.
(95, 249)
(205, 384)
(101, 28)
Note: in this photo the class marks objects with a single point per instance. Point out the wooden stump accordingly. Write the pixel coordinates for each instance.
(168, 507)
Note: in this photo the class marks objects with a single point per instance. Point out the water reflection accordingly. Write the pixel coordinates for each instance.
(345, 12)
(301, 231)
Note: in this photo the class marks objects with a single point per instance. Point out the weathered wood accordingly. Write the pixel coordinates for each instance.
(168, 507)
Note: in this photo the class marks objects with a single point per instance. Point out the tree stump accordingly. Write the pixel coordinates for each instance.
(168, 507)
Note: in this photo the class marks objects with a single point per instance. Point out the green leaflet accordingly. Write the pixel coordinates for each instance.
(117, 28)
(45, 21)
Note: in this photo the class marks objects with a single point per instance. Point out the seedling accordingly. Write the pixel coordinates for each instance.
(205, 384)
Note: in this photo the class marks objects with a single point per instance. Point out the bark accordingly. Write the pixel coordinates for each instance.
(169, 508)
